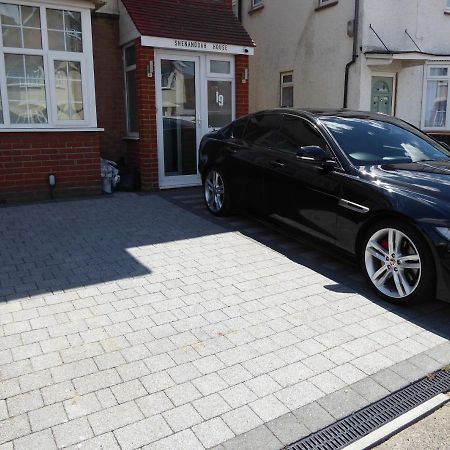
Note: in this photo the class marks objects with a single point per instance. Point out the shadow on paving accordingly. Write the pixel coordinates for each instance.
(330, 262)
(55, 246)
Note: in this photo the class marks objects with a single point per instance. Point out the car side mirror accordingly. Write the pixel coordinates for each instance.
(316, 155)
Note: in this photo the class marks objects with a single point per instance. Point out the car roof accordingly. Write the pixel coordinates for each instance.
(318, 113)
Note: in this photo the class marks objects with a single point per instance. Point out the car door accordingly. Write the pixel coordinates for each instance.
(302, 193)
(248, 164)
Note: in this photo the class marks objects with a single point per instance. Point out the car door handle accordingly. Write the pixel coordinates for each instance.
(276, 164)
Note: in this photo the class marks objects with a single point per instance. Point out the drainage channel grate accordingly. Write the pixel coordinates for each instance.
(368, 419)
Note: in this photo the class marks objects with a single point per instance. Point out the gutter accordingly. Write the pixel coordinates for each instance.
(355, 52)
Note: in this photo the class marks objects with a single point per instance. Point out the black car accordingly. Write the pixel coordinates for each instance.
(372, 185)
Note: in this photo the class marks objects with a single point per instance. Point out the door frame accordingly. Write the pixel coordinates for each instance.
(202, 75)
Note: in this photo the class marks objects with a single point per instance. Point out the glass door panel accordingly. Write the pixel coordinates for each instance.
(220, 103)
(382, 94)
(179, 116)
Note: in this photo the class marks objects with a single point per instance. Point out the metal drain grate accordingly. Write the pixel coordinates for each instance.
(368, 419)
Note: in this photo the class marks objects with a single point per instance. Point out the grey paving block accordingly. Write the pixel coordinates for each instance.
(313, 416)
(212, 432)
(184, 440)
(143, 432)
(342, 403)
(241, 420)
(288, 428)
(257, 439)
(13, 428)
(43, 440)
(370, 389)
(72, 432)
(47, 417)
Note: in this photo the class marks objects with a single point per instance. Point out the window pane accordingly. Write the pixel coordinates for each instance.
(55, 19)
(263, 129)
(69, 93)
(72, 21)
(220, 66)
(287, 78)
(130, 56)
(12, 37)
(56, 40)
(25, 83)
(21, 26)
(287, 97)
(219, 103)
(438, 71)
(436, 104)
(132, 122)
(31, 17)
(9, 14)
(64, 30)
(297, 133)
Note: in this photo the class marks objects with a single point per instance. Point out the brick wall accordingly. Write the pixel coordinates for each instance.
(242, 89)
(143, 154)
(26, 160)
(109, 87)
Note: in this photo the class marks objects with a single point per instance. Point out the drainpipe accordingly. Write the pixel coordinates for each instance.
(355, 52)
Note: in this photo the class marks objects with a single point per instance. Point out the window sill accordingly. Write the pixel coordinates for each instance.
(131, 138)
(255, 9)
(327, 5)
(50, 130)
(447, 12)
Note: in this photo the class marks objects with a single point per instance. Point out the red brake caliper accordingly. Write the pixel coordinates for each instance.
(385, 244)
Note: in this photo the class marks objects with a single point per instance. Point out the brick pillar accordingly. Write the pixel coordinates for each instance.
(242, 89)
(146, 106)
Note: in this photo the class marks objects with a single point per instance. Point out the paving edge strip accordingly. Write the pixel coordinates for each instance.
(421, 397)
(395, 426)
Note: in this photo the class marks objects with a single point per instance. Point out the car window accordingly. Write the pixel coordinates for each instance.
(373, 142)
(238, 128)
(296, 133)
(263, 129)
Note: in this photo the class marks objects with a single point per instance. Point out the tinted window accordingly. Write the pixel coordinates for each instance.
(297, 133)
(263, 129)
(238, 128)
(368, 142)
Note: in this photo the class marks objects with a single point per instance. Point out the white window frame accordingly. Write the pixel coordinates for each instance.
(257, 3)
(49, 56)
(447, 6)
(427, 77)
(326, 2)
(129, 134)
(284, 84)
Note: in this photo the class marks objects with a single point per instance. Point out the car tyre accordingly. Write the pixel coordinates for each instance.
(398, 263)
(216, 193)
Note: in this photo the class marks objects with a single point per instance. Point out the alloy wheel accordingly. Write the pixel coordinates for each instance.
(214, 191)
(393, 263)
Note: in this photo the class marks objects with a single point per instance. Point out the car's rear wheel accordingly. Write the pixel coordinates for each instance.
(398, 263)
(216, 193)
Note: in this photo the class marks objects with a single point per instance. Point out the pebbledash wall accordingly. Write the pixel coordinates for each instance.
(28, 157)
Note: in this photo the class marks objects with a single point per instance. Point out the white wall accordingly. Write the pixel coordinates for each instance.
(291, 35)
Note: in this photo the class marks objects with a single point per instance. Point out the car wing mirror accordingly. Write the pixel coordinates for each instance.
(316, 155)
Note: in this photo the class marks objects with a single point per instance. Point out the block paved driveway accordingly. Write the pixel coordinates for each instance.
(138, 321)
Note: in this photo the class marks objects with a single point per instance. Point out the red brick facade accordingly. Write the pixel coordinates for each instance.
(143, 153)
(242, 89)
(109, 87)
(27, 159)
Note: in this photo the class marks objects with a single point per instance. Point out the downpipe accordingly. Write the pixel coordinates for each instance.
(355, 52)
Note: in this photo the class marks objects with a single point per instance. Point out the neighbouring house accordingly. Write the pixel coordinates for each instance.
(377, 55)
(136, 81)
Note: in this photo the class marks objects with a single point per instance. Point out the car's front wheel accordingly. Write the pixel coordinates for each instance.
(398, 263)
(216, 193)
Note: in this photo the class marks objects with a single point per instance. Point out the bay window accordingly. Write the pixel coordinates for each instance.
(46, 67)
(436, 98)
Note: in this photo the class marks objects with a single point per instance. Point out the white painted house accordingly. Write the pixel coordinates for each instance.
(397, 55)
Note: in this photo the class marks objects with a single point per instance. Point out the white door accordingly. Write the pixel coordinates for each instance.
(179, 119)
(194, 95)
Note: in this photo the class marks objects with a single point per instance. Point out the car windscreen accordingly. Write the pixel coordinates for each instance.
(373, 142)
